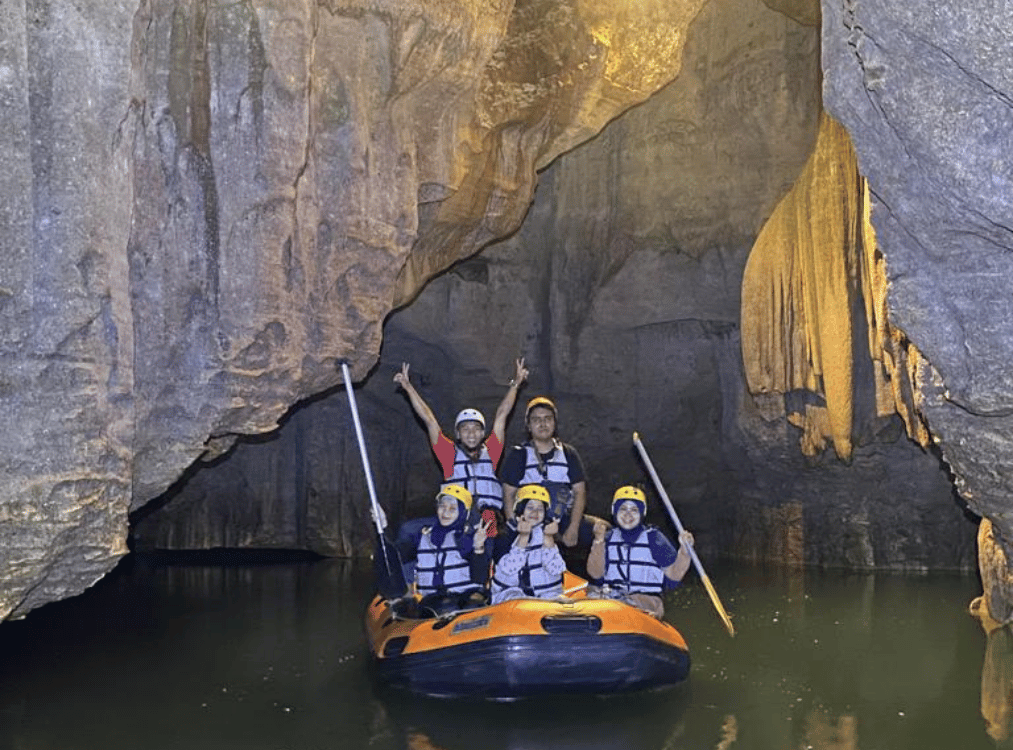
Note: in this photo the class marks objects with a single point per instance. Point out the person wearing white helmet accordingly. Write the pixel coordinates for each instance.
(634, 562)
(471, 458)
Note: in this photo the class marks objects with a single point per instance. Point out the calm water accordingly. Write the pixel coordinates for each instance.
(273, 657)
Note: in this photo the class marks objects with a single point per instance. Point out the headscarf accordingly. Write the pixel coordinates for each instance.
(439, 532)
(629, 536)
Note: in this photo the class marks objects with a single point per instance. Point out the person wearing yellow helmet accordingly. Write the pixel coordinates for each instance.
(544, 459)
(634, 562)
(527, 561)
(471, 458)
(450, 562)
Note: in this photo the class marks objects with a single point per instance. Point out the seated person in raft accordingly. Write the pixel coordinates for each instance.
(451, 561)
(633, 562)
(527, 561)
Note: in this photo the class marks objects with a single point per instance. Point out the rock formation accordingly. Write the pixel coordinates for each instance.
(207, 205)
(622, 289)
(924, 91)
(814, 307)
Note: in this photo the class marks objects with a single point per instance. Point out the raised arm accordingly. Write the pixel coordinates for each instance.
(418, 404)
(509, 399)
(596, 558)
(678, 569)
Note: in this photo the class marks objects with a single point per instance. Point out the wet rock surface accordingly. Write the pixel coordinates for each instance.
(622, 290)
(213, 203)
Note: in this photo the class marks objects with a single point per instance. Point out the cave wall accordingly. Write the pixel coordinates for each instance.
(925, 90)
(659, 210)
(622, 291)
(208, 204)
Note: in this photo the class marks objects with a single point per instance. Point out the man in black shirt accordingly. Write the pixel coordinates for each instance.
(544, 459)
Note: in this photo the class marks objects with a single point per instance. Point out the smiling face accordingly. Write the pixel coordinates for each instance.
(534, 511)
(628, 515)
(447, 510)
(470, 434)
(542, 423)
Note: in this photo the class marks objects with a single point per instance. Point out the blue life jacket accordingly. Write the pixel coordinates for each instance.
(533, 579)
(631, 567)
(478, 477)
(553, 475)
(431, 559)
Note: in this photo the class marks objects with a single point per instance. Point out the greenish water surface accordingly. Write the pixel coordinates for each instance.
(273, 657)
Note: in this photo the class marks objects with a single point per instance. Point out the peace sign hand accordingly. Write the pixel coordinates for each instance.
(481, 534)
(549, 532)
(401, 378)
(522, 372)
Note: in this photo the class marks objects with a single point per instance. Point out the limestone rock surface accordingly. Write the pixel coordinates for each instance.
(622, 290)
(207, 204)
(924, 90)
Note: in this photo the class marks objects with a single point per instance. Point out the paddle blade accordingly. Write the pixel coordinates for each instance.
(390, 578)
(718, 606)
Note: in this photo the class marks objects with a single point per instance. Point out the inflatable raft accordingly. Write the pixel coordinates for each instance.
(527, 647)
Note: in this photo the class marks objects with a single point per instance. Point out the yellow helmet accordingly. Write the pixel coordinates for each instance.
(458, 492)
(629, 492)
(542, 401)
(532, 492)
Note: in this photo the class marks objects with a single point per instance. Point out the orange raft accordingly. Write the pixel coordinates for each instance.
(527, 647)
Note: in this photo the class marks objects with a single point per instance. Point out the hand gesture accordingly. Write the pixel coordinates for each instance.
(401, 378)
(524, 526)
(521, 373)
(549, 532)
(481, 534)
(600, 529)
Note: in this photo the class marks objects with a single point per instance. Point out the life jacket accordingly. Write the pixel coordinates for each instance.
(532, 578)
(631, 567)
(430, 559)
(478, 477)
(553, 475)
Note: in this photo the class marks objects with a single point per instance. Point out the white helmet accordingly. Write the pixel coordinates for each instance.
(469, 415)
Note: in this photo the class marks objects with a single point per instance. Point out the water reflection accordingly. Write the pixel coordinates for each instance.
(650, 720)
(827, 733)
(729, 733)
(997, 684)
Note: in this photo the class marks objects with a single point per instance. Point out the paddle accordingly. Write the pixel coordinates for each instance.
(390, 579)
(692, 552)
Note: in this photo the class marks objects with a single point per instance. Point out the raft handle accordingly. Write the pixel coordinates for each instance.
(570, 624)
(395, 646)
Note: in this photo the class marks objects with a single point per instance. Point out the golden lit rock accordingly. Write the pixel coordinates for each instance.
(996, 579)
(800, 285)
(814, 282)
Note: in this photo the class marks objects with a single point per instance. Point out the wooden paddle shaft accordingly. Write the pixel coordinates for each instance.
(678, 524)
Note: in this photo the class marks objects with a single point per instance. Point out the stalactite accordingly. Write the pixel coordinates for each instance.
(815, 275)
